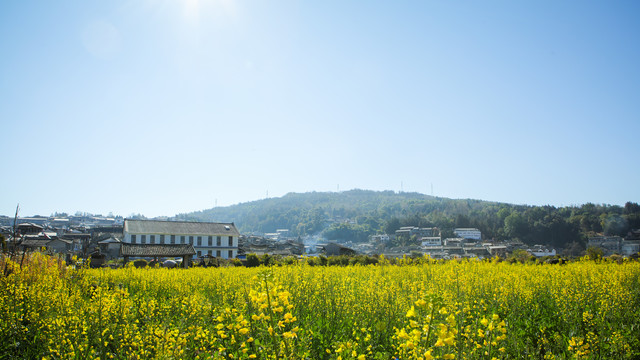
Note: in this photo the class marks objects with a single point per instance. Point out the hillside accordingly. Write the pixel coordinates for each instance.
(356, 214)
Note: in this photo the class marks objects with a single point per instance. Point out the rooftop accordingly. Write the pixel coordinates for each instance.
(179, 227)
(159, 250)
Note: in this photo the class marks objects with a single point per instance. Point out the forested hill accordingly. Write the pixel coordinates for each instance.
(356, 214)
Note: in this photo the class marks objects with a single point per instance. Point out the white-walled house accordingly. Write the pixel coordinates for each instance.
(468, 233)
(431, 241)
(213, 239)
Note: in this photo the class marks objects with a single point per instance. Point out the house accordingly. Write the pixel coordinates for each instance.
(431, 241)
(380, 238)
(630, 247)
(497, 250)
(333, 248)
(110, 247)
(609, 244)
(409, 231)
(540, 251)
(44, 241)
(213, 239)
(454, 242)
(37, 220)
(468, 233)
(29, 229)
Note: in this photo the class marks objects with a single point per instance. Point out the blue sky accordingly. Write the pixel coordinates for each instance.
(164, 107)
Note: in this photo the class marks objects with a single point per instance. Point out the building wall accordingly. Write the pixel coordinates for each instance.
(202, 246)
(431, 241)
(474, 234)
(57, 246)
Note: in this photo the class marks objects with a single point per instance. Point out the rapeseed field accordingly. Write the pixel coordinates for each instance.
(432, 310)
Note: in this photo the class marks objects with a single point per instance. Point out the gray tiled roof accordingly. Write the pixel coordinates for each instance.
(165, 250)
(36, 243)
(179, 228)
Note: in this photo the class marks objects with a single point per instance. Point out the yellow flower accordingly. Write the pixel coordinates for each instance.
(484, 321)
(411, 312)
(449, 340)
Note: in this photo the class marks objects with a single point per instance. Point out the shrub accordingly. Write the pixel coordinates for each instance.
(252, 260)
(140, 263)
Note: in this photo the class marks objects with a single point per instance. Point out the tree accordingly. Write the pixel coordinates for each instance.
(515, 225)
(393, 224)
(595, 253)
(631, 208)
(615, 225)
(519, 255)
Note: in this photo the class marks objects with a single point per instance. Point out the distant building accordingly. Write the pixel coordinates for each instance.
(468, 233)
(630, 247)
(380, 238)
(456, 242)
(212, 239)
(431, 241)
(333, 248)
(409, 231)
(540, 251)
(110, 247)
(29, 229)
(609, 244)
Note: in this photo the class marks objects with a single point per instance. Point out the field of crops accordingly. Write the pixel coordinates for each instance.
(443, 310)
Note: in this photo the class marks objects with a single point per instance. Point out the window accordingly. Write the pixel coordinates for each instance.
(199, 253)
(199, 240)
(173, 239)
(217, 253)
(133, 239)
(210, 252)
(219, 241)
(143, 239)
(161, 239)
(190, 240)
(230, 240)
(182, 240)
(210, 240)
(230, 254)
(152, 239)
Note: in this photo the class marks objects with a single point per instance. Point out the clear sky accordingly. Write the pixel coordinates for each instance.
(164, 107)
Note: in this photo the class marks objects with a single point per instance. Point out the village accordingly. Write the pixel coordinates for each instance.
(116, 240)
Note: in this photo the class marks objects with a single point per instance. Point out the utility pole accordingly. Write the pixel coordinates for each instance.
(15, 228)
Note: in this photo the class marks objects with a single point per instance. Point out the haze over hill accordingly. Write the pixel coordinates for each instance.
(354, 215)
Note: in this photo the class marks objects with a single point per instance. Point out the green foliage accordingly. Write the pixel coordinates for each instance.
(348, 232)
(140, 263)
(595, 253)
(252, 260)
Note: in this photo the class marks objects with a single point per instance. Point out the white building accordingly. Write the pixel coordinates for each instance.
(540, 251)
(468, 233)
(431, 241)
(213, 239)
(380, 238)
